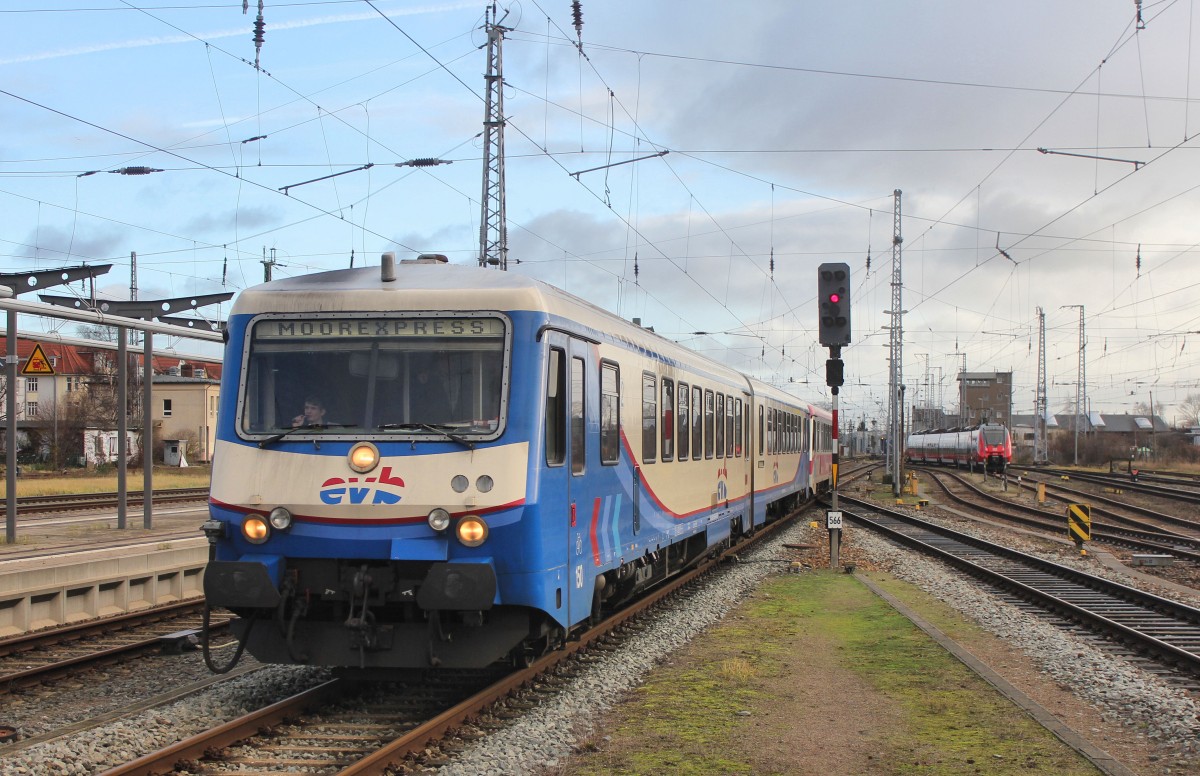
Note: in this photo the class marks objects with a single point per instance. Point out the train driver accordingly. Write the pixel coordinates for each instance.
(313, 414)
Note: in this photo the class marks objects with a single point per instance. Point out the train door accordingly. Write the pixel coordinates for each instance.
(570, 397)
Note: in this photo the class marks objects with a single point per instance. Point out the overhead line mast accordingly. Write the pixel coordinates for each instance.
(493, 229)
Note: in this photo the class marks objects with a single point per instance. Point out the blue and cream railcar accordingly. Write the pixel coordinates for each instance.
(497, 462)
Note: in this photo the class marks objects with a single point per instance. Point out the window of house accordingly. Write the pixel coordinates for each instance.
(31, 409)
(31, 385)
(166, 408)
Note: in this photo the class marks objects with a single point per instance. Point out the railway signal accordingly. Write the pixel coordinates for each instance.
(833, 297)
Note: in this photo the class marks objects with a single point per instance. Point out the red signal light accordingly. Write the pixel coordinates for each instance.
(835, 298)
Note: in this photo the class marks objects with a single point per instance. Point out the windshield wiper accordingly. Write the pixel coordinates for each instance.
(444, 430)
(314, 426)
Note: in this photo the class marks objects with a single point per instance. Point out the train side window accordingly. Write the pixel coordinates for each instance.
(772, 441)
(668, 419)
(729, 443)
(807, 433)
(697, 423)
(720, 425)
(684, 425)
(578, 442)
(610, 413)
(708, 424)
(761, 428)
(556, 408)
(739, 449)
(649, 419)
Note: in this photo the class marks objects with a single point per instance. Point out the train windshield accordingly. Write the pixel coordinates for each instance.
(993, 435)
(376, 376)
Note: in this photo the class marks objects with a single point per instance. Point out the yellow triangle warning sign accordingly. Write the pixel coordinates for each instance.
(37, 364)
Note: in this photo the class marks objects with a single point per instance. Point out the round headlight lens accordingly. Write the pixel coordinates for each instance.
(472, 531)
(364, 457)
(439, 519)
(255, 529)
(280, 518)
(459, 483)
(484, 483)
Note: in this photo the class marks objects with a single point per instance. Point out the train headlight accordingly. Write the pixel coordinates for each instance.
(484, 483)
(255, 529)
(363, 457)
(280, 518)
(439, 519)
(472, 531)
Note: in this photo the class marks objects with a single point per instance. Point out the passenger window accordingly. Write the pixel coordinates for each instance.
(729, 445)
(668, 419)
(649, 419)
(720, 424)
(685, 426)
(739, 448)
(697, 423)
(610, 413)
(761, 428)
(708, 424)
(578, 446)
(556, 408)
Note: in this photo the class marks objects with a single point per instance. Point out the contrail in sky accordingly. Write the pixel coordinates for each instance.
(165, 40)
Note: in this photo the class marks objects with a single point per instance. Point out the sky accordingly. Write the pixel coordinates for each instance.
(1045, 157)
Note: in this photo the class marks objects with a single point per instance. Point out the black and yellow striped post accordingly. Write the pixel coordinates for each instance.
(1079, 524)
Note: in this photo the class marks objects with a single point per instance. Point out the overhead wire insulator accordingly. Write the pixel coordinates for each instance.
(1138, 260)
(259, 30)
(577, 17)
(425, 161)
(135, 170)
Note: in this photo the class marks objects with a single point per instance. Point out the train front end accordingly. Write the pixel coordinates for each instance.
(381, 529)
(995, 447)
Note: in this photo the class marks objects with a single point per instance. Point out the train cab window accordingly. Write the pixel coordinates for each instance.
(807, 435)
(683, 424)
(649, 419)
(739, 448)
(418, 377)
(729, 443)
(610, 413)
(697, 423)
(708, 424)
(720, 425)
(556, 408)
(668, 419)
(578, 441)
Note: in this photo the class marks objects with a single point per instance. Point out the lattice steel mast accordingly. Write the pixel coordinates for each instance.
(493, 229)
(1041, 453)
(896, 371)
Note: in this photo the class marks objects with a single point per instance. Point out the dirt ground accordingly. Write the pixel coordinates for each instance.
(820, 718)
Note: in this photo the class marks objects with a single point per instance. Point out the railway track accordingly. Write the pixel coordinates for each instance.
(37, 658)
(1130, 533)
(1159, 629)
(1175, 494)
(340, 727)
(27, 505)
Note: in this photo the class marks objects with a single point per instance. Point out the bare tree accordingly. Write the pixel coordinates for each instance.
(1189, 410)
